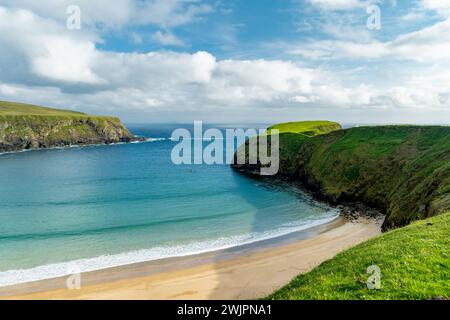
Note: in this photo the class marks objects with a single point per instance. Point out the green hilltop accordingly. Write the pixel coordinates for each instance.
(307, 128)
(11, 110)
(292, 137)
(25, 126)
(404, 171)
(17, 109)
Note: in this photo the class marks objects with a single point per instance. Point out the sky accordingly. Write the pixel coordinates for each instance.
(231, 61)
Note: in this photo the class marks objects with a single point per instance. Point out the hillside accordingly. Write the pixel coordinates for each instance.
(16, 109)
(307, 128)
(404, 171)
(292, 136)
(414, 263)
(24, 126)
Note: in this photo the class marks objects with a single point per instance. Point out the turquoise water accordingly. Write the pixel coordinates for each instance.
(102, 206)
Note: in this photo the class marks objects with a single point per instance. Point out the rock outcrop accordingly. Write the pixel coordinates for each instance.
(24, 127)
(402, 171)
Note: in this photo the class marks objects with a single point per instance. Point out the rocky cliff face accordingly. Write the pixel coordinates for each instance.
(404, 171)
(22, 132)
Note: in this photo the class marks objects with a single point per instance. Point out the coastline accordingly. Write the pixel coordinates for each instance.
(247, 272)
(135, 140)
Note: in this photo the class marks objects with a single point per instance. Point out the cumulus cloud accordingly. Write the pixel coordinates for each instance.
(104, 12)
(440, 6)
(101, 15)
(57, 67)
(424, 45)
(163, 13)
(46, 47)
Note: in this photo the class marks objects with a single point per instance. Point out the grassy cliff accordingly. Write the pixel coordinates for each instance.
(306, 128)
(292, 136)
(404, 171)
(414, 263)
(24, 126)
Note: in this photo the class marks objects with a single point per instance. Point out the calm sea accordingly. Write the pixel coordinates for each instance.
(95, 207)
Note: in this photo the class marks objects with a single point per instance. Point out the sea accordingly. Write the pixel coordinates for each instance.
(87, 208)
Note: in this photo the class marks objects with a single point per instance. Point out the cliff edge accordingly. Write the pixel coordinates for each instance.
(25, 127)
(404, 171)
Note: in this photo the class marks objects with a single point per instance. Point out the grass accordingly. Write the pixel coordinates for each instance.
(292, 136)
(25, 126)
(16, 109)
(414, 263)
(307, 128)
(10, 111)
(404, 171)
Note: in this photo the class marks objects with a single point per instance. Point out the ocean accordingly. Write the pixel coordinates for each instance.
(89, 208)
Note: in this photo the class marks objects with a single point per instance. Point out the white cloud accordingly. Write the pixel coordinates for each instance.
(8, 90)
(155, 70)
(162, 13)
(48, 49)
(66, 60)
(440, 6)
(414, 15)
(169, 13)
(167, 38)
(106, 12)
(338, 5)
(425, 45)
(65, 69)
(104, 15)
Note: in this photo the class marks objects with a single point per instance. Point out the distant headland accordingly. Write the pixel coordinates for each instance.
(403, 171)
(28, 127)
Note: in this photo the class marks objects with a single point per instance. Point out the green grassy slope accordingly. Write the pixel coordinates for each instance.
(307, 128)
(402, 170)
(16, 109)
(414, 262)
(292, 136)
(24, 126)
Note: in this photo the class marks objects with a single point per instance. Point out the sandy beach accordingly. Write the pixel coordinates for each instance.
(247, 275)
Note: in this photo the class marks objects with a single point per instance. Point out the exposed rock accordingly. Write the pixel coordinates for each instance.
(402, 171)
(25, 132)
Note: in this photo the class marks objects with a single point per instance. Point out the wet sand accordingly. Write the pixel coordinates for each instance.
(248, 272)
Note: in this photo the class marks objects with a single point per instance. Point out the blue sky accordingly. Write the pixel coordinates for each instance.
(231, 61)
(244, 29)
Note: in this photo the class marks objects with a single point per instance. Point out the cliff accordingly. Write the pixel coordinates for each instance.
(404, 171)
(24, 126)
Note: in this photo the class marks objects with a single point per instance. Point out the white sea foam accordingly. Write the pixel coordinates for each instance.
(149, 140)
(56, 270)
(76, 146)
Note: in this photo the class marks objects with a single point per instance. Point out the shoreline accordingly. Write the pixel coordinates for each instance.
(39, 273)
(244, 272)
(79, 146)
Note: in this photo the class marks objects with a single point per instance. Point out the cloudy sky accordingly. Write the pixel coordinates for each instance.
(231, 61)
